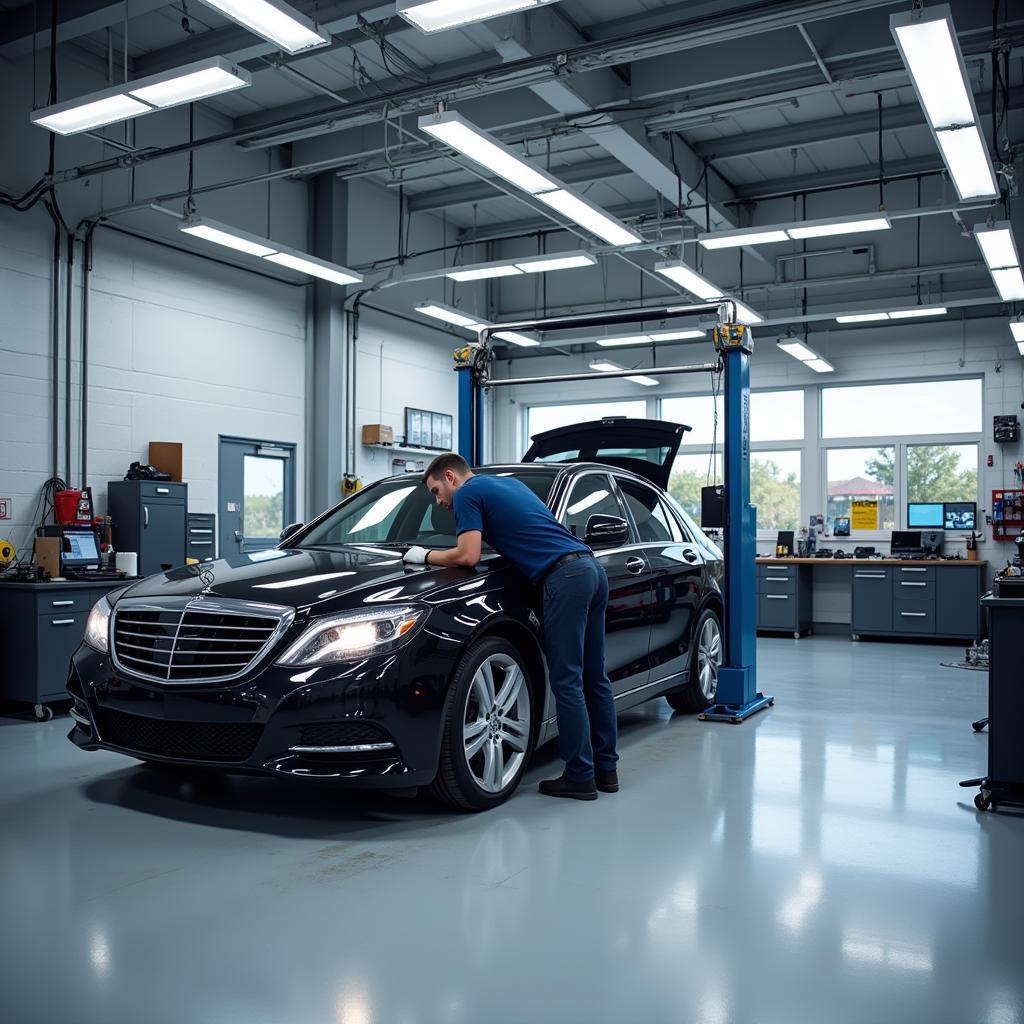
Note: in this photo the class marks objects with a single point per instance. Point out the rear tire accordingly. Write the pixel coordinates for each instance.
(488, 729)
(705, 661)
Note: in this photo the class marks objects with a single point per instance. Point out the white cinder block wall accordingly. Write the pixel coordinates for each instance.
(907, 352)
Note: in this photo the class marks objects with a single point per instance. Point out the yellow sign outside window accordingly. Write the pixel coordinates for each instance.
(864, 515)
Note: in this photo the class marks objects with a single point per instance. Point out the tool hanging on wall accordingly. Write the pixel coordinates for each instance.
(6, 553)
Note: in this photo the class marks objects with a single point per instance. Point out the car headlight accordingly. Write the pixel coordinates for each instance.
(353, 635)
(97, 627)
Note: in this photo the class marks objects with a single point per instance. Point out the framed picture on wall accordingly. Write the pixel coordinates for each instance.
(425, 429)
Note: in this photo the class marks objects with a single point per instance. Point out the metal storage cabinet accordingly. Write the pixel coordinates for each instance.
(784, 598)
(149, 517)
(41, 626)
(958, 602)
(202, 536)
(872, 600)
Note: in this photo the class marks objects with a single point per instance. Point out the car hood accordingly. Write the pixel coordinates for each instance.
(301, 578)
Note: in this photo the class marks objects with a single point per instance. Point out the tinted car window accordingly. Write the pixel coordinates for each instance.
(653, 522)
(401, 511)
(592, 494)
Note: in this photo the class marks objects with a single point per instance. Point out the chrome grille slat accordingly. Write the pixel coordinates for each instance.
(173, 640)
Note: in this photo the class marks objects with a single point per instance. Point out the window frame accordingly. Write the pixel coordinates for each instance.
(613, 490)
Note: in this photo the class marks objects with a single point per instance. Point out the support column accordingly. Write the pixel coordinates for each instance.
(329, 399)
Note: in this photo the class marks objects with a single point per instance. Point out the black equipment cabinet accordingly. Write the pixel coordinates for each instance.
(41, 626)
(202, 536)
(1005, 781)
(149, 517)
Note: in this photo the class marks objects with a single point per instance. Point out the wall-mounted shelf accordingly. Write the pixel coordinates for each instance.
(404, 450)
(1011, 517)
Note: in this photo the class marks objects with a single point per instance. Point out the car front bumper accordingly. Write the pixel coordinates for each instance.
(385, 713)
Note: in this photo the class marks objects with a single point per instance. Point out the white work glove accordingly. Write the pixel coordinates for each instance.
(415, 556)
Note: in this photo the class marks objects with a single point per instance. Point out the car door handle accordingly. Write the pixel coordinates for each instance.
(690, 555)
(636, 565)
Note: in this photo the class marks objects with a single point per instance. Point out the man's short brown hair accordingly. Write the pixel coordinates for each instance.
(456, 463)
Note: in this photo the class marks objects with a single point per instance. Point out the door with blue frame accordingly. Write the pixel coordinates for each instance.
(256, 494)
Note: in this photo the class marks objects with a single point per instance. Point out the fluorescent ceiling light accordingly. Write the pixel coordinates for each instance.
(910, 314)
(449, 315)
(274, 20)
(455, 131)
(605, 365)
(968, 162)
(186, 84)
(556, 261)
(1020, 347)
(647, 339)
(729, 239)
(79, 116)
(690, 280)
(1009, 283)
(438, 15)
(861, 318)
(224, 234)
(746, 315)
(315, 267)
(589, 216)
(839, 226)
(798, 350)
(628, 339)
(648, 382)
(819, 365)
(515, 338)
(695, 332)
(928, 45)
(513, 268)
(485, 272)
(1017, 330)
(997, 245)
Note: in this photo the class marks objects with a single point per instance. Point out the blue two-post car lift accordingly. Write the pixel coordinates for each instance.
(737, 697)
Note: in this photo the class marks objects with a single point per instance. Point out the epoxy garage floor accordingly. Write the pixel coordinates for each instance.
(818, 863)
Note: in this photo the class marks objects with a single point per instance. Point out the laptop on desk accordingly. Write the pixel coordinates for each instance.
(906, 544)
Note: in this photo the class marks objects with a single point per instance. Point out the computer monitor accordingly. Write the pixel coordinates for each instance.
(906, 542)
(925, 515)
(80, 550)
(961, 515)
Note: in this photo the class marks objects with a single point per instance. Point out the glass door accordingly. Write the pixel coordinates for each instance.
(257, 493)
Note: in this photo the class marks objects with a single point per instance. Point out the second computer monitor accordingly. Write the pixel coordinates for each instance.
(960, 515)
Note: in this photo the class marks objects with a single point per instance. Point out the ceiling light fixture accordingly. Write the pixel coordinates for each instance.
(513, 268)
(515, 338)
(1017, 329)
(690, 280)
(315, 267)
(607, 366)
(796, 348)
(438, 15)
(187, 84)
(928, 45)
(450, 315)
(495, 157)
(910, 313)
(648, 339)
(275, 21)
(803, 229)
(746, 315)
(1000, 252)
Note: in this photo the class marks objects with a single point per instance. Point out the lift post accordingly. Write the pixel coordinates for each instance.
(737, 696)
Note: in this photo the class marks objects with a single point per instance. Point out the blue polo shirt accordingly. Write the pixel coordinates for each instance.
(514, 521)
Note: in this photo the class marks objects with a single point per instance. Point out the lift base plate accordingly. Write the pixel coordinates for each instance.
(736, 713)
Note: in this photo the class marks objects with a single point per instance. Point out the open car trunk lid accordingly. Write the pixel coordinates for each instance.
(645, 447)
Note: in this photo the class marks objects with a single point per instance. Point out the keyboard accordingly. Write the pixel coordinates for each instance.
(99, 575)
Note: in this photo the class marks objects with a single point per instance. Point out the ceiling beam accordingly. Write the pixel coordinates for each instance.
(865, 174)
(31, 22)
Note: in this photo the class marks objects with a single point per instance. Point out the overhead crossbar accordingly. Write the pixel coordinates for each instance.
(659, 371)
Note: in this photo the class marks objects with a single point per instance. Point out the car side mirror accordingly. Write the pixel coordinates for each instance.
(290, 529)
(606, 531)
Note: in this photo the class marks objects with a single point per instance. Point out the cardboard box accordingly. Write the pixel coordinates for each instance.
(166, 456)
(48, 555)
(378, 433)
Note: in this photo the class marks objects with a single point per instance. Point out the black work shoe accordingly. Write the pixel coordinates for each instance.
(566, 787)
(607, 782)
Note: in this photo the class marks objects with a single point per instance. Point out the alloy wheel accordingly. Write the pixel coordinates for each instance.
(496, 722)
(709, 657)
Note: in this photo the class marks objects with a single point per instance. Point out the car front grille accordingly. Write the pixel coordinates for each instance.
(342, 734)
(207, 741)
(195, 640)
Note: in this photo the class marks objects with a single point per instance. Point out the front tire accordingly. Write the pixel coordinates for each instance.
(705, 661)
(488, 728)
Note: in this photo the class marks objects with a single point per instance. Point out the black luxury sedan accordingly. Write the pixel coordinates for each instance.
(327, 658)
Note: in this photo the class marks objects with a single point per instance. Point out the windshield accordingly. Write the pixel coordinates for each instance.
(401, 511)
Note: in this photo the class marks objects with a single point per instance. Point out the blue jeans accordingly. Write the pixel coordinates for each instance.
(575, 601)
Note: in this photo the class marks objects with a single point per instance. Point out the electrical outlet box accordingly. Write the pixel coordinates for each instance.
(1005, 429)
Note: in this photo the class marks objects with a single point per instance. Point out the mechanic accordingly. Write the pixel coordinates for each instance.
(507, 515)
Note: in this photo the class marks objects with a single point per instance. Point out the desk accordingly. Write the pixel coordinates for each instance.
(41, 626)
(888, 596)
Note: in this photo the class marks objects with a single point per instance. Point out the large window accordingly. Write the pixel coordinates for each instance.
(777, 416)
(549, 417)
(942, 472)
(689, 474)
(775, 489)
(898, 410)
(864, 475)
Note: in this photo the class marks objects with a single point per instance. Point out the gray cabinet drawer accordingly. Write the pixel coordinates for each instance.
(913, 588)
(789, 571)
(957, 602)
(872, 600)
(162, 490)
(65, 604)
(777, 584)
(57, 638)
(777, 611)
(915, 572)
(913, 617)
